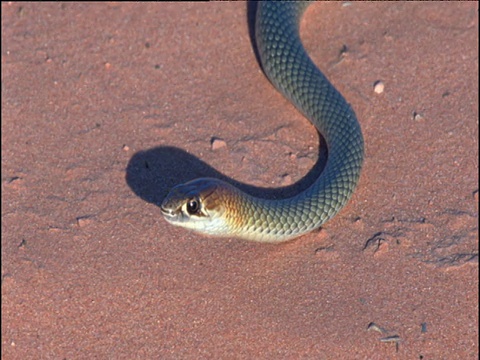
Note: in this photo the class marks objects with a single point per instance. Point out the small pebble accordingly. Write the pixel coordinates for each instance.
(83, 221)
(218, 143)
(286, 180)
(378, 87)
(375, 327)
(417, 116)
(304, 162)
(393, 338)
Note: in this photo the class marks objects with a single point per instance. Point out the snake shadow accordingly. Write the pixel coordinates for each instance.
(152, 173)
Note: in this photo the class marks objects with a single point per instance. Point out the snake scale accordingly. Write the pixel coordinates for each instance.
(214, 207)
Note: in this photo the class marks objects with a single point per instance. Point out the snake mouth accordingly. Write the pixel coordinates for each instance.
(166, 212)
(173, 216)
(169, 214)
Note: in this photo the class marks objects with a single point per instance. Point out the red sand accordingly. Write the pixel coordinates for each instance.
(106, 106)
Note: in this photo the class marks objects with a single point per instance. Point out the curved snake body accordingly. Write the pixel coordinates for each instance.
(214, 207)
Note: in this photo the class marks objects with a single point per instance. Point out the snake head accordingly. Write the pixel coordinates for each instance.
(197, 205)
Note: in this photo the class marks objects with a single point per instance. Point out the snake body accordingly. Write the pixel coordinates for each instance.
(214, 207)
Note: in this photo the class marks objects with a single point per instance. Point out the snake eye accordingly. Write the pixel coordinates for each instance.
(193, 206)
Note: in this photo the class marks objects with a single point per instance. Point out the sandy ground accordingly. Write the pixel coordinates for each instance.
(106, 106)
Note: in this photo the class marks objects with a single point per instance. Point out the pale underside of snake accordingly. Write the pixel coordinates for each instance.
(214, 207)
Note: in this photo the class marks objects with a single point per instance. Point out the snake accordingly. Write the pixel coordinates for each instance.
(214, 207)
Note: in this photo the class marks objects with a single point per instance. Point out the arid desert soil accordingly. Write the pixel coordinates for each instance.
(106, 106)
